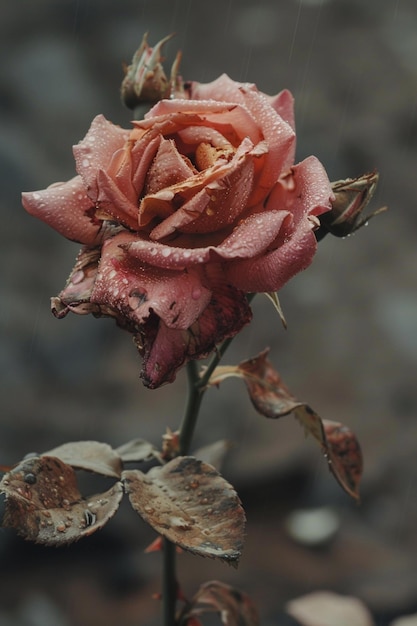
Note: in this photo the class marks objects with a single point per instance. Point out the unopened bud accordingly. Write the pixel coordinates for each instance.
(352, 195)
(145, 81)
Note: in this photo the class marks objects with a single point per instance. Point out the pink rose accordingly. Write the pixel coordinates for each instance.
(182, 216)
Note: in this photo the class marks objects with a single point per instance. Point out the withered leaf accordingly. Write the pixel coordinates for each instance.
(92, 456)
(214, 453)
(271, 397)
(189, 503)
(344, 456)
(136, 451)
(234, 607)
(44, 505)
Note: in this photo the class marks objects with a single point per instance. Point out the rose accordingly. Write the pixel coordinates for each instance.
(182, 216)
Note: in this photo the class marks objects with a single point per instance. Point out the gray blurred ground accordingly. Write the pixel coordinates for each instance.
(351, 347)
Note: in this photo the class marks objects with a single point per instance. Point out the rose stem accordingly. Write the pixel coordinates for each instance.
(196, 388)
(169, 584)
(197, 385)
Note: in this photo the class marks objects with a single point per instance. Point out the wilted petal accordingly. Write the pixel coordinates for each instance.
(166, 350)
(134, 290)
(76, 294)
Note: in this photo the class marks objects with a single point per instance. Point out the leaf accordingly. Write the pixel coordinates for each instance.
(44, 505)
(91, 456)
(234, 607)
(272, 398)
(273, 297)
(136, 451)
(214, 453)
(189, 503)
(344, 456)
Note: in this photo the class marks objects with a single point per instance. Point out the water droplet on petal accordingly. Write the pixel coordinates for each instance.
(196, 293)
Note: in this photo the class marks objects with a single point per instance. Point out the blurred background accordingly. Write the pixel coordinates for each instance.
(350, 349)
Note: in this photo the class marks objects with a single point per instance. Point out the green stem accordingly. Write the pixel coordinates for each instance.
(194, 398)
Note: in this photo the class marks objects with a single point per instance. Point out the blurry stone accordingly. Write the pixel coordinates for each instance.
(313, 527)
(324, 608)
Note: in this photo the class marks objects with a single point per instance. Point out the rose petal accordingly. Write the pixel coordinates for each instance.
(295, 248)
(212, 199)
(65, 207)
(283, 103)
(134, 290)
(253, 235)
(166, 350)
(231, 120)
(167, 168)
(95, 151)
(114, 204)
(278, 133)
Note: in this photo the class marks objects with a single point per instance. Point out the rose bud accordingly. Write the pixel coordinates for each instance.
(352, 195)
(145, 81)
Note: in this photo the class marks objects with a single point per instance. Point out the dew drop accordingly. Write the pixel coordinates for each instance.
(86, 162)
(196, 293)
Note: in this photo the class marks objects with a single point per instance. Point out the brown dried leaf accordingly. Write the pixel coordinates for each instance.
(234, 607)
(271, 398)
(136, 451)
(92, 456)
(344, 456)
(268, 393)
(189, 503)
(44, 505)
(214, 453)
